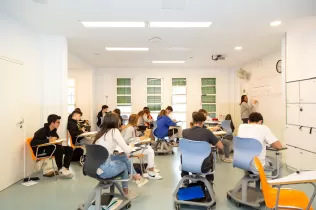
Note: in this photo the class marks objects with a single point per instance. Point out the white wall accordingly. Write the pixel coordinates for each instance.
(265, 86)
(44, 61)
(105, 85)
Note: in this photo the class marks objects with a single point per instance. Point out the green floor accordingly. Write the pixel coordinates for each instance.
(63, 194)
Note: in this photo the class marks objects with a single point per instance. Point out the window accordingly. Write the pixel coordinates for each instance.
(71, 94)
(154, 94)
(179, 99)
(208, 98)
(123, 96)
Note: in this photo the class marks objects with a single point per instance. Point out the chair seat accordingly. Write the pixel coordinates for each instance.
(289, 197)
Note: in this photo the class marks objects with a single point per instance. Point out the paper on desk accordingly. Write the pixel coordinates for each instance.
(118, 148)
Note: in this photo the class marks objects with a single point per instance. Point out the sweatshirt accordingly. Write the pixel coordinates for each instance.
(163, 124)
(111, 140)
(129, 134)
(245, 110)
(42, 135)
(73, 129)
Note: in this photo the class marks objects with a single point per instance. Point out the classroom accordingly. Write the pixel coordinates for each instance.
(158, 104)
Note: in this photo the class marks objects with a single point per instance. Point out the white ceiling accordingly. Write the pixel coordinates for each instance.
(235, 23)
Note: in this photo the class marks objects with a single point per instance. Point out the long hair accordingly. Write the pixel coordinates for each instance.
(117, 111)
(162, 113)
(242, 99)
(110, 121)
(132, 120)
(141, 113)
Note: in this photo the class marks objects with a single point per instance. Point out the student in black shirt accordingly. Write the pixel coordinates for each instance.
(73, 127)
(48, 134)
(101, 114)
(198, 133)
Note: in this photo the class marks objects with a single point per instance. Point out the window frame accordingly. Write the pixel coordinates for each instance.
(118, 105)
(181, 103)
(150, 94)
(211, 114)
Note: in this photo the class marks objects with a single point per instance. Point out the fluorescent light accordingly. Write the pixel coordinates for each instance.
(125, 49)
(168, 62)
(180, 24)
(275, 23)
(238, 48)
(101, 24)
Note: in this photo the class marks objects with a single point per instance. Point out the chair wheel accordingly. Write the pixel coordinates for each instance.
(177, 206)
(128, 206)
(82, 160)
(238, 204)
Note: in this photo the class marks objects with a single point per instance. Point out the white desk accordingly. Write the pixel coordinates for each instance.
(219, 133)
(302, 177)
(212, 123)
(88, 134)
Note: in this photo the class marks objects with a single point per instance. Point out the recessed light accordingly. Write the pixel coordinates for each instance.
(158, 62)
(126, 49)
(180, 24)
(275, 23)
(101, 24)
(238, 48)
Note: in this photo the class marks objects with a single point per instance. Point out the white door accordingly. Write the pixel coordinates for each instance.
(12, 137)
(308, 91)
(292, 92)
(293, 114)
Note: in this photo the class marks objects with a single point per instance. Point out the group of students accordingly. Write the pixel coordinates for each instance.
(112, 134)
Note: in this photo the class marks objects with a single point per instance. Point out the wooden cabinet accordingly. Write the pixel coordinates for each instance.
(293, 92)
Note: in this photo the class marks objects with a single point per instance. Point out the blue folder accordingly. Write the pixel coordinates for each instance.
(190, 193)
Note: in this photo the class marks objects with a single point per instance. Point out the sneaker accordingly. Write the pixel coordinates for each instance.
(65, 172)
(156, 170)
(228, 160)
(153, 175)
(141, 182)
(131, 195)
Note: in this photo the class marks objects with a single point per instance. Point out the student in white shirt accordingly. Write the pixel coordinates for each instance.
(256, 130)
(110, 137)
(129, 135)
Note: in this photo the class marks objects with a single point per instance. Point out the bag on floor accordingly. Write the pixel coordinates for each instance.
(78, 152)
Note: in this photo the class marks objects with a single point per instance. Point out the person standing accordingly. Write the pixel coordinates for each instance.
(246, 109)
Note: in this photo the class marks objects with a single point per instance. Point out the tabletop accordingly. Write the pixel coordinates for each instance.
(299, 177)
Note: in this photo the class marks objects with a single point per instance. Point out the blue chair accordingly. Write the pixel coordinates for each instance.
(226, 126)
(193, 154)
(161, 146)
(245, 149)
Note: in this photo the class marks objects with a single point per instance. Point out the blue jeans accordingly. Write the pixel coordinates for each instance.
(116, 165)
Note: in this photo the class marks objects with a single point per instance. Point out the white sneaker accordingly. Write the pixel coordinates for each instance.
(157, 170)
(153, 175)
(145, 175)
(131, 195)
(141, 182)
(65, 172)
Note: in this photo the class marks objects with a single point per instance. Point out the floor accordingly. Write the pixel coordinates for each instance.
(65, 194)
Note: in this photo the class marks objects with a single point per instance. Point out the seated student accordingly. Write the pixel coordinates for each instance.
(118, 112)
(76, 109)
(256, 130)
(110, 137)
(178, 134)
(229, 117)
(101, 114)
(198, 133)
(163, 124)
(48, 134)
(129, 135)
(147, 118)
(226, 151)
(73, 128)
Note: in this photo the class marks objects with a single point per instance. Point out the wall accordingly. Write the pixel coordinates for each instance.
(265, 86)
(44, 61)
(83, 75)
(105, 85)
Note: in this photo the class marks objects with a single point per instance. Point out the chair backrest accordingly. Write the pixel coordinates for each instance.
(226, 126)
(95, 156)
(28, 142)
(266, 188)
(193, 154)
(245, 149)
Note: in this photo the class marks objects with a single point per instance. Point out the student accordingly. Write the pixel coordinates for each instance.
(256, 130)
(110, 137)
(198, 133)
(229, 117)
(163, 124)
(73, 127)
(129, 135)
(48, 134)
(246, 109)
(178, 134)
(147, 118)
(118, 112)
(76, 109)
(226, 151)
(101, 114)
(141, 121)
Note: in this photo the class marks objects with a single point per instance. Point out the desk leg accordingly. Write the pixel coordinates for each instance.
(277, 199)
(312, 197)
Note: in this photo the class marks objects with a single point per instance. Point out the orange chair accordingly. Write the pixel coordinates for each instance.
(288, 197)
(83, 157)
(37, 159)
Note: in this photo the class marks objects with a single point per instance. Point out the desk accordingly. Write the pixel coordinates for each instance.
(212, 123)
(58, 141)
(88, 134)
(296, 178)
(219, 133)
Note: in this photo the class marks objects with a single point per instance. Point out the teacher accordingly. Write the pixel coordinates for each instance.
(246, 109)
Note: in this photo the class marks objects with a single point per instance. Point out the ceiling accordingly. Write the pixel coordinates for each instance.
(234, 23)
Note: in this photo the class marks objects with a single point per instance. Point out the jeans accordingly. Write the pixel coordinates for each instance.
(226, 144)
(150, 153)
(116, 165)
